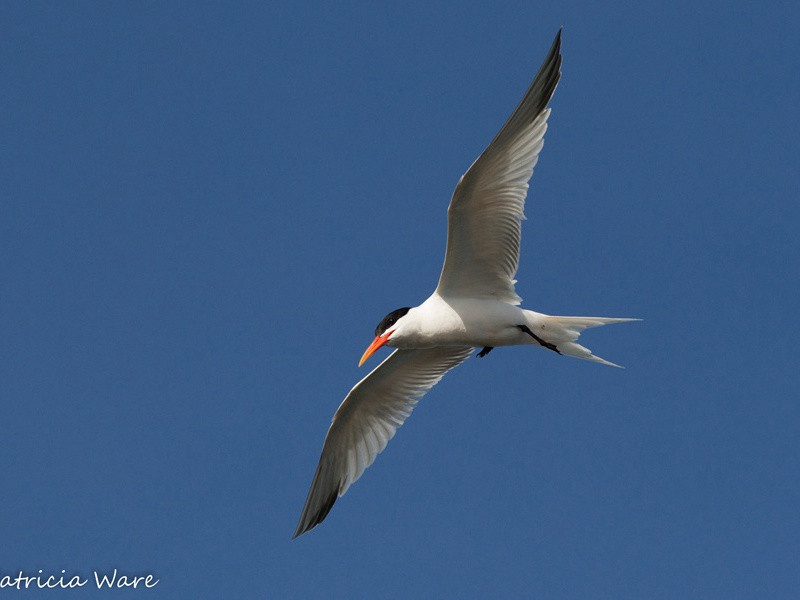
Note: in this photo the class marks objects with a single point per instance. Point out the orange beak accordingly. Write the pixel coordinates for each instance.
(376, 343)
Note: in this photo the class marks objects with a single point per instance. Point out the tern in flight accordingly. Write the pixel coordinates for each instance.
(474, 304)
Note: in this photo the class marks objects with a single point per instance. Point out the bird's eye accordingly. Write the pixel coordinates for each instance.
(390, 320)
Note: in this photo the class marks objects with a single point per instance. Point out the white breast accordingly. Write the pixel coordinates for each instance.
(459, 321)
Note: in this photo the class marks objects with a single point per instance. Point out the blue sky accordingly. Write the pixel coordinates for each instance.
(206, 209)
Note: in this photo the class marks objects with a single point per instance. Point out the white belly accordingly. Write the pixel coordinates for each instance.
(461, 321)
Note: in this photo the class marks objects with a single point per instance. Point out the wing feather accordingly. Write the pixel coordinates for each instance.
(368, 418)
(485, 213)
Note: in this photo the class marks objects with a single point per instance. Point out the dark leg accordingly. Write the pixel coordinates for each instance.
(485, 351)
(540, 341)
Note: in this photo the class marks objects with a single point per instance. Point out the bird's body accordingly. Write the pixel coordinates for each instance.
(482, 322)
(454, 321)
(475, 304)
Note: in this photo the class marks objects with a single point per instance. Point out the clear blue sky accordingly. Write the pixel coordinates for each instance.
(205, 210)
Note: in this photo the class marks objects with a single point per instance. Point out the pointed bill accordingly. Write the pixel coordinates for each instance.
(376, 343)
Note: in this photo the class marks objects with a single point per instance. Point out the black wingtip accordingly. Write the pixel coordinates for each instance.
(544, 84)
(308, 522)
(555, 47)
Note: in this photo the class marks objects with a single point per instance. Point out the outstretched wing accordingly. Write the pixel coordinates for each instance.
(484, 217)
(368, 419)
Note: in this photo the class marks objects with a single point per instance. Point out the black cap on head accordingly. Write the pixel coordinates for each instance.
(390, 320)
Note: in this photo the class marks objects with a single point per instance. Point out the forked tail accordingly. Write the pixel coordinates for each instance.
(563, 331)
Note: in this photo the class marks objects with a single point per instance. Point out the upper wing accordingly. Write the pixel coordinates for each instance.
(484, 218)
(368, 419)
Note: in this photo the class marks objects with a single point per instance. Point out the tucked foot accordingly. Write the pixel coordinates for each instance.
(485, 351)
(539, 340)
